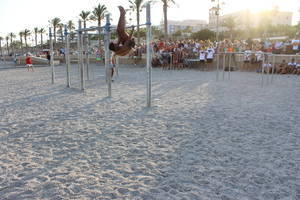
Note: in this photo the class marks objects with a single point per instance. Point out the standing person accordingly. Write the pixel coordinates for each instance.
(48, 57)
(202, 58)
(29, 63)
(210, 56)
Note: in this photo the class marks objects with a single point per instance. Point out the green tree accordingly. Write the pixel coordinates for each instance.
(36, 31)
(42, 31)
(166, 4)
(55, 23)
(84, 15)
(136, 5)
(204, 34)
(230, 24)
(26, 33)
(70, 26)
(7, 40)
(98, 15)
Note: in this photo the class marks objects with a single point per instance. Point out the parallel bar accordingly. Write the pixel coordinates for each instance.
(229, 66)
(149, 55)
(273, 67)
(80, 60)
(67, 56)
(107, 55)
(224, 65)
(51, 57)
(262, 71)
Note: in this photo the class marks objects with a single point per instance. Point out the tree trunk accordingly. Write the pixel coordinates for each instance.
(35, 38)
(62, 35)
(7, 47)
(25, 38)
(42, 40)
(165, 8)
(21, 40)
(138, 25)
(54, 34)
(99, 34)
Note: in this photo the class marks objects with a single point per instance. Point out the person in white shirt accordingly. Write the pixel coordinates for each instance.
(296, 44)
(202, 58)
(247, 59)
(210, 56)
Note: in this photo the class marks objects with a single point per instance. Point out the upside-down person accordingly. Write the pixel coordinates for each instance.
(125, 42)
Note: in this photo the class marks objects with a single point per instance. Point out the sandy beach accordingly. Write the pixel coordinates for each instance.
(201, 140)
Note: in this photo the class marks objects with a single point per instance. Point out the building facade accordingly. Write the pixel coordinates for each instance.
(247, 19)
(193, 25)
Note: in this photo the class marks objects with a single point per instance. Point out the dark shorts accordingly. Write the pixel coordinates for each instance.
(246, 61)
(202, 61)
(209, 60)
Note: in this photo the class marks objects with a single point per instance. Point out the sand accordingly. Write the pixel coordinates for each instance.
(202, 139)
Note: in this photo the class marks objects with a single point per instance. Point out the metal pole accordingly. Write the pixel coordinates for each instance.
(268, 69)
(217, 38)
(86, 49)
(117, 66)
(107, 55)
(51, 57)
(88, 57)
(67, 56)
(262, 71)
(273, 67)
(149, 54)
(80, 49)
(224, 65)
(229, 65)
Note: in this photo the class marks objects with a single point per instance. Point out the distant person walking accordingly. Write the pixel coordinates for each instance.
(48, 57)
(29, 63)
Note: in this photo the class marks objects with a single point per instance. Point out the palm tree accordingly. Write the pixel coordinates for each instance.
(98, 15)
(165, 10)
(61, 32)
(21, 34)
(55, 23)
(26, 34)
(36, 31)
(230, 24)
(41, 32)
(7, 39)
(84, 16)
(136, 5)
(70, 25)
(11, 36)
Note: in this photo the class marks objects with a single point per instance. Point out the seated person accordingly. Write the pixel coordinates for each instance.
(282, 68)
(291, 66)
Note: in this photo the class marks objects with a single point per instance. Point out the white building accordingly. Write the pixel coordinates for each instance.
(194, 25)
(246, 19)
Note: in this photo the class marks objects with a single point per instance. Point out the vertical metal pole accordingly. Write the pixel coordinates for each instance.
(67, 55)
(107, 55)
(262, 71)
(80, 43)
(268, 69)
(273, 67)
(117, 66)
(149, 54)
(217, 38)
(229, 65)
(87, 57)
(224, 65)
(51, 57)
(86, 49)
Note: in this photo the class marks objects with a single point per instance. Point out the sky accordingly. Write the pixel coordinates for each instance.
(16, 15)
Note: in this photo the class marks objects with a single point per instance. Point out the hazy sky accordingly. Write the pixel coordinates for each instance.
(16, 15)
